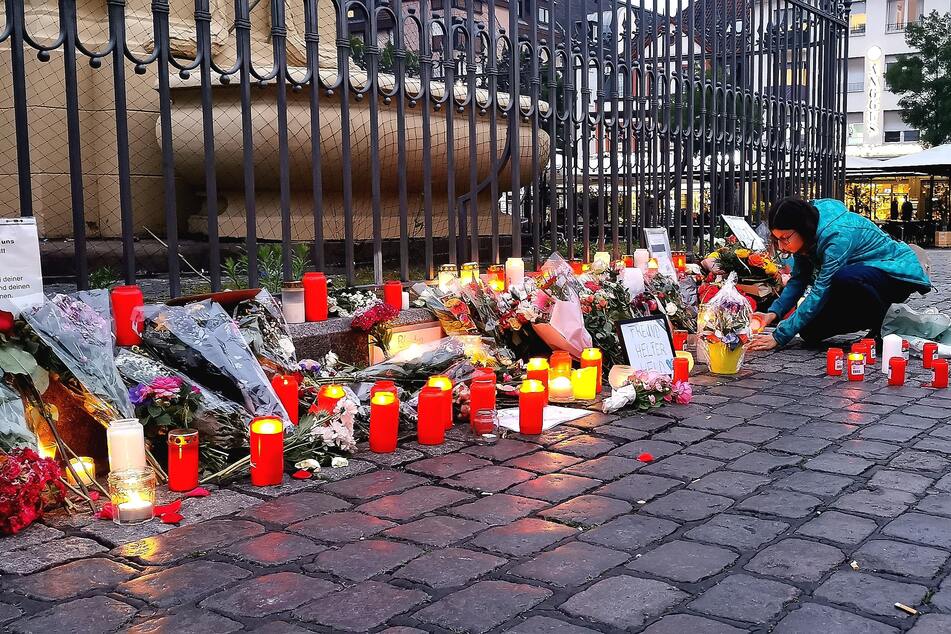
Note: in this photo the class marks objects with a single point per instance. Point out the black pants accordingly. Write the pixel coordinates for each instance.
(857, 299)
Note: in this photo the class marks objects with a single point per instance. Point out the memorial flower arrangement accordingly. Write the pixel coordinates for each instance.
(646, 390)
(376, 320)
(166, 402)
(28, 485)
(662, 295)
(345, 302)
(725, 318)
(751, 267)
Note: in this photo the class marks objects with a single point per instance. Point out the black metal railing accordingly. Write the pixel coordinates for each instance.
(406, 133)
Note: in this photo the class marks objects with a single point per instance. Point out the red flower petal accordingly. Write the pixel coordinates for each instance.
(645, 457)
(105, 513)
(198, 492)
(172, 508)
(302, 474)
(171, 518)
(94, 495)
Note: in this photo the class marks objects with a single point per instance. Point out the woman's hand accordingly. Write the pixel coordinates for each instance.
(712, 265)
(765, 318)
(763, 342)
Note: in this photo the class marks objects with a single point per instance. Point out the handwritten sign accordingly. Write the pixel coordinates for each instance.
(20, 274)
(402, 338)
(647, 344)
(658, 243)
(744, 232)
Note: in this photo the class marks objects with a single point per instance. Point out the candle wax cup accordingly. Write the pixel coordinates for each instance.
(135, 512)
(315, 296)
(267, 451)
(84, 467)
(560, 391)
(583, 384)
(126, 443)
(591, 358)
(531, 407)
(292, 302)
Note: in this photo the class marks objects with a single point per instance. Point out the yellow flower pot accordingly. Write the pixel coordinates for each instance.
(724, 361)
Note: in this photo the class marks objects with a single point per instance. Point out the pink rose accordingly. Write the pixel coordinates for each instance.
(166, 387)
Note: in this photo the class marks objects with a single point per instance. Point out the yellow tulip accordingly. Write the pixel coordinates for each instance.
(743, 253)
(714, 255)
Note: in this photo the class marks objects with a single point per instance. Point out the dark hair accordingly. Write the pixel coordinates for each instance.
(797, 214)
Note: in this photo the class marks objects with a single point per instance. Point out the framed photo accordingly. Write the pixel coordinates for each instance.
(647, 343)
(658, 243)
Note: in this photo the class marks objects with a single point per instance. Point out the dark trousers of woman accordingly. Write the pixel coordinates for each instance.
(857, 299)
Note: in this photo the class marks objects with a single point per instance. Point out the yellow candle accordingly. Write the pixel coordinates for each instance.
(447, 273)
(686, 355)
(652, 263)
(85, 468)
(584, 383)
(47, 450)
(560, 390)
(591, 357)
(470, 272)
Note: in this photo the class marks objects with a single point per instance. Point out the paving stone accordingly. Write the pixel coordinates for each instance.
(920, 461)
(658, 449)
(446, 447)
(554, 487)
(921, 529)
(547, 625)
(341, 527)
(624, 433)
(183, 583)
(624, 601)
(352, 468)
(868, 449)
(491, 479)
(30, 536)
(820, 484)
(586, 510)
(504, 449)
(543, 461)
(361, 560)
(938, 504)
(394, 458)
(729, 483)
(682, 435)
(523, 537)
(362, 607)
(733, 391)
(684, 561)
(764, 462)
(832, 462)
(828, 431)
(889, 433)
(9, 612)
(557, 434)
(295, 508)
(797, 560)
(498, 509)
(744, 598)
(573, 564)
(274, 549)
(183, 542)
(374, 484)
(716, 422)
(645, 422)
(720, 449)
(449, 567)
(482, 606)
(906, 560)
(870, 594)
(683, 467)
(270, 594)
(43, 555)
(781, 503)
(638, 487)
(838, 527)
(932, 624)
(812, 617)
(630, 532)
(738, 531)
(752, 434)
(925, 411)
(877, 502)
(72, 579)
(901, 480)
(436, 530)
(413, 503)
(779, 420)
(740, 410)
(851, 417)
(688, 506)
(189, 619)
(584, 446)
(448, 465)
(400, 630)
(605, 468)
(94, 614)
(798, 445)
(931, 443)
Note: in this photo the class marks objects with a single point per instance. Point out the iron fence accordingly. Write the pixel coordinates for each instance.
(416, 132)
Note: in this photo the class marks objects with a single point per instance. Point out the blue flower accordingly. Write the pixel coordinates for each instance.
(139, 394)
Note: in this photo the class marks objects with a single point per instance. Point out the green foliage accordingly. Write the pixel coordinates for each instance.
(103, 277)
(270, 263)
(387, 61)
(923, 79)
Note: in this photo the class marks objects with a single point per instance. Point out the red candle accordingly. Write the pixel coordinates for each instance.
(834, 361)
(444, 384)
(328, 396)
(182, 460)
(531, 407)
(481, 396)
(855, 366)
(315, 296)
(487, 373)
(430, 429)
(681, 369)
(680, 339)
(560, 363)
(537, 369)
(127, 314)
(591, 358)
(393, 294)
(383, 386)
(267, 451)
(577, 267)
(287, 390)
(939, 370)
(870, 353)
(384, 422)
(680, 260)
(928, 353)
(896, 371)
(628, 261)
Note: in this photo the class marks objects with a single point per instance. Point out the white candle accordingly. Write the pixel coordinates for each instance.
(126, 441)
(514, 271)
(292, 302)
(633, 280)
(891, 347)
(405, 300)
(135, 511)
(641, 256)
(602, 259)
(560, 390)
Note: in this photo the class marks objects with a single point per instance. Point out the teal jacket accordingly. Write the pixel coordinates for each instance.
(842, 238)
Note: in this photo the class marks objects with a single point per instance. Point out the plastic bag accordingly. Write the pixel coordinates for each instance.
(265, 330)
(14, 431)
(919, 327)
(724, 322)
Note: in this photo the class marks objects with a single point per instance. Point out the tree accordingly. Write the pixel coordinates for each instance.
(923, 79)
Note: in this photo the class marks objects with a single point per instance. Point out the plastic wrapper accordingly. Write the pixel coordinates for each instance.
(724, 320)
(456, 357)
(265, 330)
(14, 431)
(919, 327)
(201, 341)
(80, 338)
(451, 311)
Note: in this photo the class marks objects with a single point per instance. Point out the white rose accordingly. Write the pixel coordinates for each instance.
(338, 462)
(671, 308)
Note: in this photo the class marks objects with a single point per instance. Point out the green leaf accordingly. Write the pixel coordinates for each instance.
(14, 360)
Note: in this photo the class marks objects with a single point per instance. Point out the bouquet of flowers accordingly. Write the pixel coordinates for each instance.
(14, 431)
(346, 301)
(376, 321)
(166, 402)
(605, 300)
(28, 484)
(726, 317)
(645, 390)
(263, 327)
(662, 295)
(754, 269)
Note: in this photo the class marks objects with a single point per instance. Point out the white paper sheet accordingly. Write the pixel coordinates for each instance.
(551, 417)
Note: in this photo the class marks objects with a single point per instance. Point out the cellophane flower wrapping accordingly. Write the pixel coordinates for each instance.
(14, 432)
(725, 318)
(455, 357)
(201, 341)
(80, 337)
(266, 332)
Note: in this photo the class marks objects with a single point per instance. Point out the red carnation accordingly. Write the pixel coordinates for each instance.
(6, 322)
(28, 484)
(374, 315)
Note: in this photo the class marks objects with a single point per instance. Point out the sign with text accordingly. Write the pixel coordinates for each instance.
(404, 337)
(658, 243)
(647, 343)
(20, 272)
(745, 233)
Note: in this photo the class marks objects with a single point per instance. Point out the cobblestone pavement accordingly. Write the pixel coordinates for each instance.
(762, 494)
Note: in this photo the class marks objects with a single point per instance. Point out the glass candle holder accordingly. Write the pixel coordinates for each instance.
(469, 272)
(560, 363)
(680, 260)
(514, 271)
(444, 383)
(430, 428)
(393, 294)
(481, 397)
(182, 460)
(559, 390)
(531, 407)
(328, 396)
(835, 360)
(287, 389)
(127, 302)
(125, 439)
(445, 276)
(132, 493)
(384, 422)
(681, 370)
(591, 358)
(855, 366)
(496, 277)
(537, 368)
(583, 383)
(85, 469)
(292, 302)
(485, 421)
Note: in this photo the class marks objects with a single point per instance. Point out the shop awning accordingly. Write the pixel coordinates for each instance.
(936, 160)
(859, 163)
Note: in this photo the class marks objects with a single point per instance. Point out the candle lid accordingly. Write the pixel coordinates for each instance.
(292, 285)
(182, 437)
